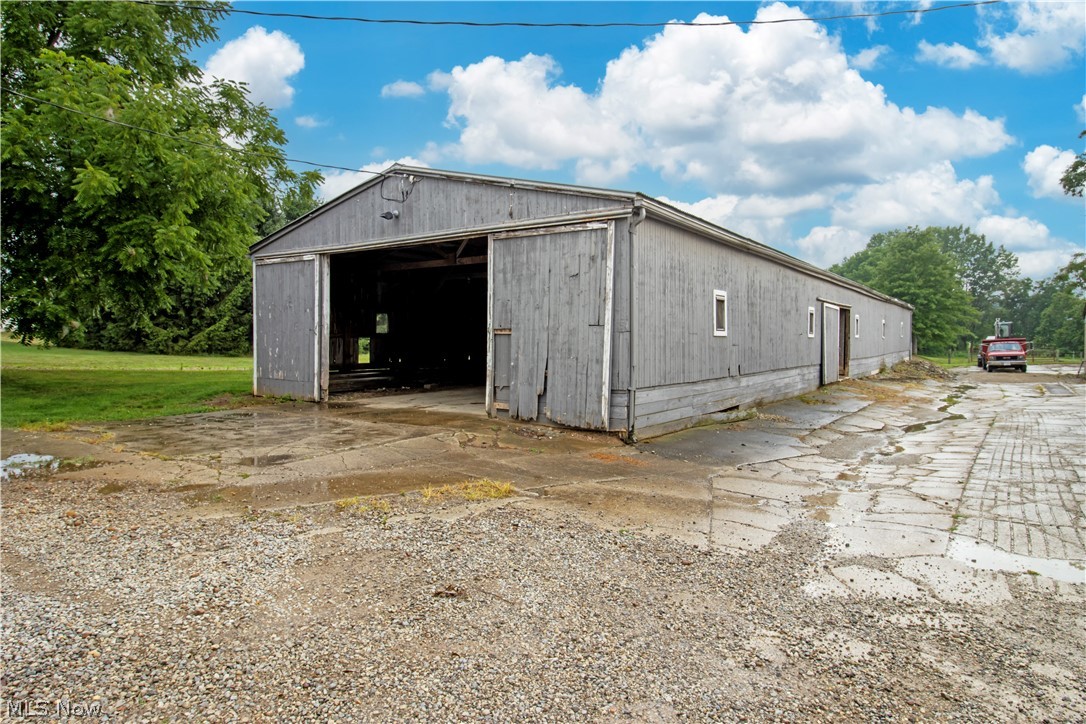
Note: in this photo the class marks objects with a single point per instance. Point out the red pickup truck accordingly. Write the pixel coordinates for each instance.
(1002, 352)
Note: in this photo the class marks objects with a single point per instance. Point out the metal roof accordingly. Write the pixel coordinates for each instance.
(653, 207)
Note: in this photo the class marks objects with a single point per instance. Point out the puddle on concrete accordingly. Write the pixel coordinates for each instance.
(410, 416)
(240, 429)
(260, 461)
(1057, 389)
(22, 463)
(981, 555)
(948, 402)
(921, 426)
(731, 446)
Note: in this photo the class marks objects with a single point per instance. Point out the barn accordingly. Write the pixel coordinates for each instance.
(567, 305)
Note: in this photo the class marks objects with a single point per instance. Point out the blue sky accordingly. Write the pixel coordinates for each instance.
(807, 136)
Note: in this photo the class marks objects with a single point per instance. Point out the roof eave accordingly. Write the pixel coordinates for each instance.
(669, 213)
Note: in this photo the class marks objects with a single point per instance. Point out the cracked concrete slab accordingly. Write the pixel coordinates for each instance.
(958, 484)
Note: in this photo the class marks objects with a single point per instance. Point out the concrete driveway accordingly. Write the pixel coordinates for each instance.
(950, 479)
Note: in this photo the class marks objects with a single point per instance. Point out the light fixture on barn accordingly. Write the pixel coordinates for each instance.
(389, 215)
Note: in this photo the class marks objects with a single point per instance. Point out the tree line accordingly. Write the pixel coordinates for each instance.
(133, 188)
(960, 283)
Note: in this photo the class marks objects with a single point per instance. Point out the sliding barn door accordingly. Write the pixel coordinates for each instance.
(289, 300)
(550, 331)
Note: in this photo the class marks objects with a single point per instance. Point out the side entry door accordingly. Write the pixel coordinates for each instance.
(831, 343)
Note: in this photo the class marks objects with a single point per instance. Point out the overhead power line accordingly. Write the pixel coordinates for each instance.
(527, 24)
(182, 139)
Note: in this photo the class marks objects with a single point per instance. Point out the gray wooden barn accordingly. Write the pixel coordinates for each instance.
(577, 306)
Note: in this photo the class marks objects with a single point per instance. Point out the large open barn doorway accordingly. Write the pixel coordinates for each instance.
(408, 316)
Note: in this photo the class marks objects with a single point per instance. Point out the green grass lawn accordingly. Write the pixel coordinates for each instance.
(958, 359)
(51, 388)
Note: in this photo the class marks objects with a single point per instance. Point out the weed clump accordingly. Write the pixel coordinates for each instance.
(481, 489)
(360, 505)
(45, 426)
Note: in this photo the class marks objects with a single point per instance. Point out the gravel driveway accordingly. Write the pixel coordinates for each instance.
(142, 596)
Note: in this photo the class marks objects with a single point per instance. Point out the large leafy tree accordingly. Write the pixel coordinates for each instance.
(131, 188)
(1063, 313)
(1074, 178)
(988, 272)
(911, 265)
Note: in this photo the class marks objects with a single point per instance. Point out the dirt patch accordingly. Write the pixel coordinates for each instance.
(230, 401)
(914, 369)
(612, 458)
(875, 391)
(210, 500)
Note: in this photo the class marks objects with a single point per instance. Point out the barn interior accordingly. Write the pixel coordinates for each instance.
(408, 317)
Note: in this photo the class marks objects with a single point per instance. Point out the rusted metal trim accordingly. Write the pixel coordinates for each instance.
(553, 230)
(285, 259)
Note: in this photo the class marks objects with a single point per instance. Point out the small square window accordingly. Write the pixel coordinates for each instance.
(857, 326)
(382, 323)
(720, 313)
(811, 322)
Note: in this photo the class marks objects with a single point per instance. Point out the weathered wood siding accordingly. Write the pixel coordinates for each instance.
(682, 371)
(434, 206)
(549, 303)
(286, 323)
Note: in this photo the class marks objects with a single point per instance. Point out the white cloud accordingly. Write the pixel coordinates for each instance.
(772, 110)
(1042, 264)
(776, 109)
(955, 56)
(930, 197)
(1039, 253)
(1080, 109)
(1017, 233)
(824, 246)
(402, 89)
(761, 217)
(1044, 166)
(1047, 35)
(339, 182)
(264, 61)
(511, 112)
(917, 18)
(868, 58)
(310, 122)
